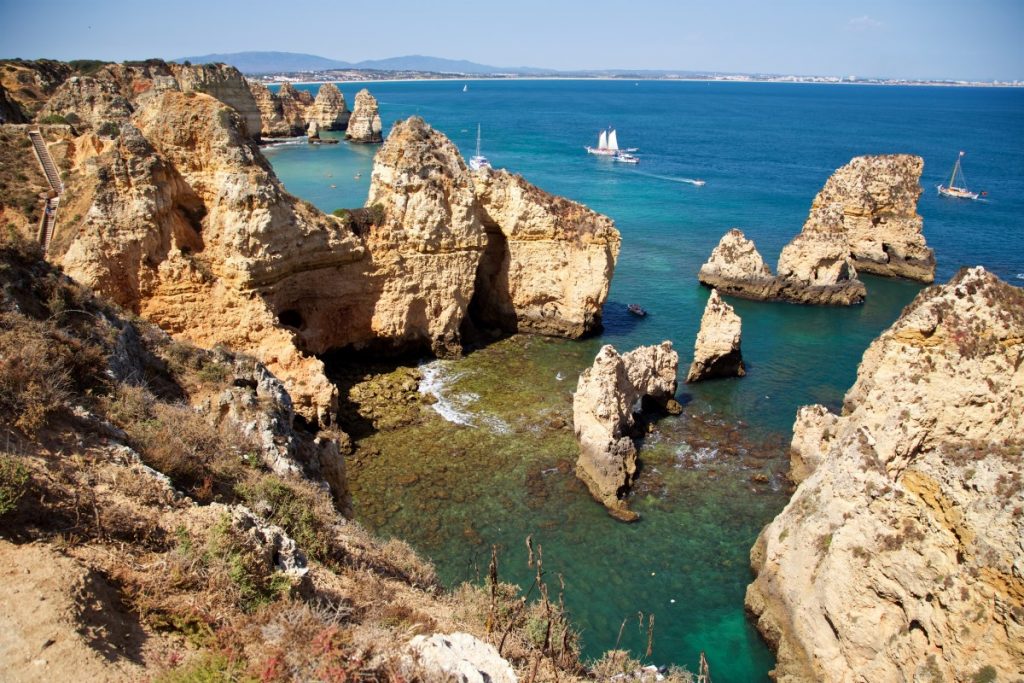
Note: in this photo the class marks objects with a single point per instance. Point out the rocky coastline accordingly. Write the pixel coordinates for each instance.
(898, 556)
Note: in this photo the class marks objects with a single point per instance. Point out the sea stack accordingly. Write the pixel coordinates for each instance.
(737, 268)
(873, 201)
(364, 125)
(899, 555)
(716, 352)
(329, 110)
(602, 413)
(865, 217)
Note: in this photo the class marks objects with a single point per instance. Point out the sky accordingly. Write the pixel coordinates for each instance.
(972, 40)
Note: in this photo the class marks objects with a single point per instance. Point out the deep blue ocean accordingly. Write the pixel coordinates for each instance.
(764, 151)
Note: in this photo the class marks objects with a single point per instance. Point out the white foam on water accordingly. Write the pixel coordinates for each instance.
(454, 408)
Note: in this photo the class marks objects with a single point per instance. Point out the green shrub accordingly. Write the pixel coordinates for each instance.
(986, 674)
(293, 509)
(53, 119)
(108, 129)
(13, 479)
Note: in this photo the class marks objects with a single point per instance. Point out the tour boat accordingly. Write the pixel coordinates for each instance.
(952, 190)
(636, 310)
(607, 144)
(478, 161)
(625, 158)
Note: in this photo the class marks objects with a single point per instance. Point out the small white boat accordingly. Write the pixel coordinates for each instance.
(478, 161)
(953, 190)
(607, 144)
(698, 182)
(625, 158)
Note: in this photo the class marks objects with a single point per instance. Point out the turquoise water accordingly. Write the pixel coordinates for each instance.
(764, 150)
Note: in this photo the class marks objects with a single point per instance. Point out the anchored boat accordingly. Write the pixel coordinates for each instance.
(478, 161)
(957, 191)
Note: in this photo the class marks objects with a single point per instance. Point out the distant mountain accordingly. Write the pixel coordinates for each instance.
(269, 62)
(284, 62)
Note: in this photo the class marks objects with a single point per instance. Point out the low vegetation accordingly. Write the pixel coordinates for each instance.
(118, 470)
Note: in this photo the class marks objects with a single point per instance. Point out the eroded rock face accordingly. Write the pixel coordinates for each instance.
(899, 556)
(224, 83)
(278, 551)
(549, 261)
(329, 110)
(716, 352)
(816, 268)
(602, 412)
(364, 124)
(737, 268)
(873, 201)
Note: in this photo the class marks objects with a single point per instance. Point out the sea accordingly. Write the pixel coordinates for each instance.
(492, 462)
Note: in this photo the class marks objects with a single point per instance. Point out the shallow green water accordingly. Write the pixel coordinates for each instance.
(765, 150)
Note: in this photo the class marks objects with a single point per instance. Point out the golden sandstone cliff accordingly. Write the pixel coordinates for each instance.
(899, 556)
(865, 217)
(183, 221)
(364, 125)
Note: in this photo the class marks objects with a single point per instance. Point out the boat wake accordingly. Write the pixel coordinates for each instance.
(455, 407)
(696, 182)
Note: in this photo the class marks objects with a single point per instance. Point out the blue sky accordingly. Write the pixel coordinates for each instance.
(912, 38)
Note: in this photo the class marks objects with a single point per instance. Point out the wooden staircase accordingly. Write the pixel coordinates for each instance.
(49, 220)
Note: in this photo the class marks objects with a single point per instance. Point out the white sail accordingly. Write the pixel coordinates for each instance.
(613, 140)
(602, 142)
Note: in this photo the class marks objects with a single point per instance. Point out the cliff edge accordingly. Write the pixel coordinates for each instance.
(899, 556)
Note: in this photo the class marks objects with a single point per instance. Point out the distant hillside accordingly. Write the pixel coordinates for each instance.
(283, 62)
(269, 62)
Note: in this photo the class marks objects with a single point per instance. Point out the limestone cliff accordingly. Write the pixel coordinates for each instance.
(224, 83)
(364, 125)
(602, 413)
(329, 110)
(873, 201)
(28, 84)
(716, 352)
(282, 114)
(186, 224)
(899, 556)
(548, 263)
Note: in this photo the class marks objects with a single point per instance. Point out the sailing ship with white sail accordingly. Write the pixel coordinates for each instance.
(607, 144)
(957, 191)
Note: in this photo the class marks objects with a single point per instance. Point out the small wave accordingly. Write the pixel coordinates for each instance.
(1020, 276)
(560, 376)
(455, 407)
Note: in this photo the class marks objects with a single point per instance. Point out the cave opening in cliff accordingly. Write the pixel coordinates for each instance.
(292, 318)
(491, 314)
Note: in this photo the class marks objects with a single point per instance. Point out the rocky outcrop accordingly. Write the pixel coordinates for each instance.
(460, 657)
(864, 218)
(277, 551)
(224, 83)
(873, 202)
(282, 114)
(28, 84)
(186, 224)
(115, 91)
(329, 110)
(813, 269)
(716, 352)
(899, 556)
(602, 412)
(736, 267)
(548, 262)
(364, 125)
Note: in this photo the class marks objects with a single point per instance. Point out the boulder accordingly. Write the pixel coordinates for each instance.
(899, 555)
(716, 352)
(364, 124)
(460, 657)
(736, 267)
(603, 420)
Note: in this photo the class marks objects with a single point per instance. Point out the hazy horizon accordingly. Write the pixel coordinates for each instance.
(870, 38)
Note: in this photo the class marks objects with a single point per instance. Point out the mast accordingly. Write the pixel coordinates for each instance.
(478, 139)
(956, 169)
